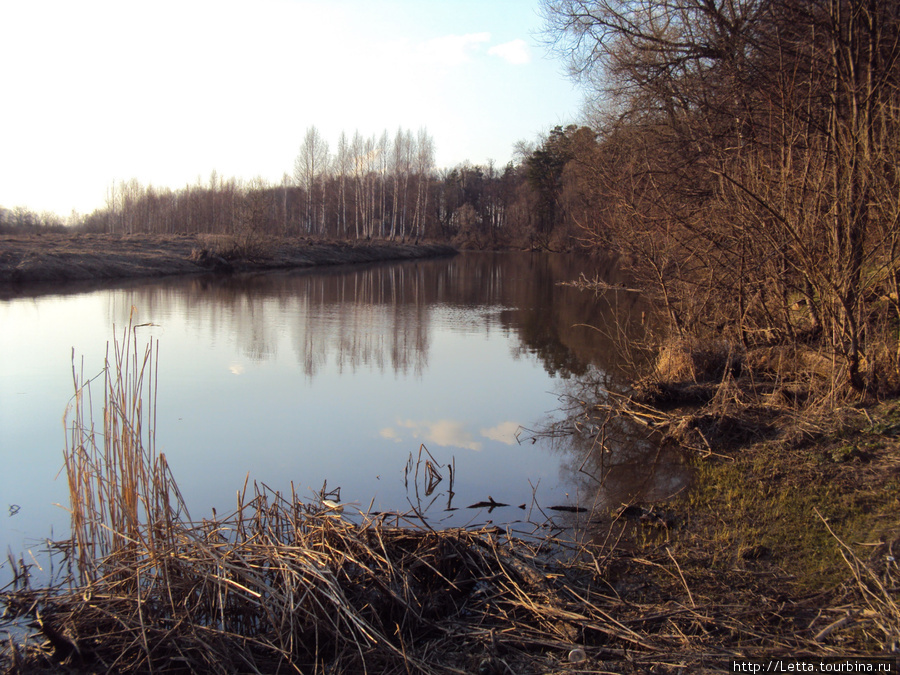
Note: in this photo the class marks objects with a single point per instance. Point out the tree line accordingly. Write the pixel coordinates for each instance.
(20, 219)
(746, 164)
(382, 187)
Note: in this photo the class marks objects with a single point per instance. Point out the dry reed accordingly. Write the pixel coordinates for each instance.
(285, 586)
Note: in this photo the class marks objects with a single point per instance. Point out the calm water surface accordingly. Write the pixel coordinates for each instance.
(296, 378)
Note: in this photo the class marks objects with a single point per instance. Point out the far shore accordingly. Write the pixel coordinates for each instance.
(50, 258)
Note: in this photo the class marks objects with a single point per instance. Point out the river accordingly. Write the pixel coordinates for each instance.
(292, 379)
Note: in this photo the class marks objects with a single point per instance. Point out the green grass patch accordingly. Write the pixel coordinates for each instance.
(768, 505)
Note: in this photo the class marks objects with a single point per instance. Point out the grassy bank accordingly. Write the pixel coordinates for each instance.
(794, 511)
(56, 258)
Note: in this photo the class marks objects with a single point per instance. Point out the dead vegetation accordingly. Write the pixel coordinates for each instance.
(281, 585)
(794, 499)
(56, 258)
(717, 392)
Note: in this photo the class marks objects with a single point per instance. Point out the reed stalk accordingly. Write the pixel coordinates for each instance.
(122, 495)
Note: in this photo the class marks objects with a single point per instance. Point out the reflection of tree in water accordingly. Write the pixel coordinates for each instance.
(373, 317)
(380, 316)
(612, 460)
(566, 328)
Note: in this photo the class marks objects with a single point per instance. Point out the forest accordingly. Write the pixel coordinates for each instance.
(746, 164)
(369, 188)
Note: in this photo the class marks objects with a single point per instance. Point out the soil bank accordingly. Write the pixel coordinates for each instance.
(55, 258)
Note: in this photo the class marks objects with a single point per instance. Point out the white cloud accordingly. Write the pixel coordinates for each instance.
(445, 433)
(389, 433)
(454, 50)
(505, 432)
(515, 52)
(449, 433)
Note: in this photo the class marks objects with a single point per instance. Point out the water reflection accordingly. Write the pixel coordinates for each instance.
(357, 318)
(337, 375)
(621, 463)
(380, 316)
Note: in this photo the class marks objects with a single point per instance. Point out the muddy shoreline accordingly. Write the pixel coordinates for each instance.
(37, 259)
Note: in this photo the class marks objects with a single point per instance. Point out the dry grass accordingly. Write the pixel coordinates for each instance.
(220, 250)
(55, 258)
(695, 360)
(280, 585)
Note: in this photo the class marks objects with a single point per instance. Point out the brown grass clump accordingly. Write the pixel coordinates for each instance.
(688, 370)
(694, 360)
(790, 363)
(221, 251)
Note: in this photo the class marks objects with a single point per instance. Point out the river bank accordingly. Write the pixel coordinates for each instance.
(60, 258)
(785, 550)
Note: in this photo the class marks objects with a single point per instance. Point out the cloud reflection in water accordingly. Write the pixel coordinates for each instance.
(448, 433)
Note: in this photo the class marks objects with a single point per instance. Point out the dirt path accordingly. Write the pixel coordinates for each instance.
(54, 258)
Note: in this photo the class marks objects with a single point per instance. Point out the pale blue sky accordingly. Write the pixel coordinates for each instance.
(166, 91)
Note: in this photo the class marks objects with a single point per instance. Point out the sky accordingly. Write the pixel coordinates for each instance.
(100, 91)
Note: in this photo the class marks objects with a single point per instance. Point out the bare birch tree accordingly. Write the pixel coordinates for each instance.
(397, 155)
(343, 166)
(383, 165)
(309, 167)
(424, 163)
(357, 151)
